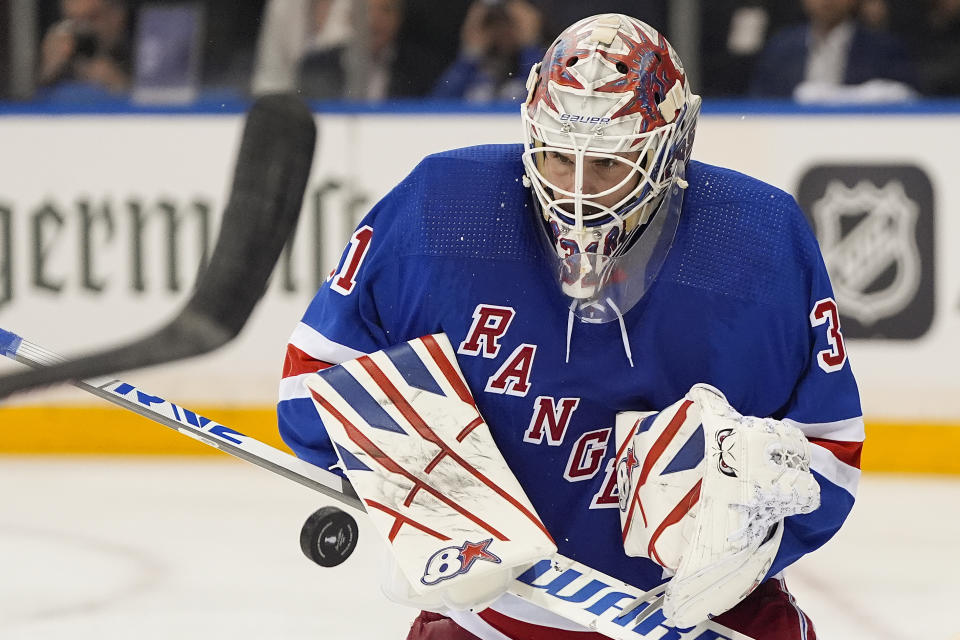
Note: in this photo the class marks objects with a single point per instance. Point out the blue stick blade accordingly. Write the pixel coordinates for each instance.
(9, 343)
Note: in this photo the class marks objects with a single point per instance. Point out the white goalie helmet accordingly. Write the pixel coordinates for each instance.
(609, 120)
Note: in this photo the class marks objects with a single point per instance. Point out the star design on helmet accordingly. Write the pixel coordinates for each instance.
(558, 71)
(650, 72)
(473, 551)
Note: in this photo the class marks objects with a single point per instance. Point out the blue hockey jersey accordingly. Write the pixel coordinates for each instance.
(742, 302)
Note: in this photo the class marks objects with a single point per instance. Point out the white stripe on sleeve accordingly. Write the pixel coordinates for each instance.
(826, 464)
(318, 346)
(849, 430)
(294, 387)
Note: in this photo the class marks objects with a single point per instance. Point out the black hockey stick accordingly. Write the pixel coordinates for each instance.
(273, 164)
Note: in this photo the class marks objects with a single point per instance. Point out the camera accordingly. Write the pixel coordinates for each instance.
(85, 44)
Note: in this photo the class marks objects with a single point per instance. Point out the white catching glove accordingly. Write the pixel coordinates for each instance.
(703, 493)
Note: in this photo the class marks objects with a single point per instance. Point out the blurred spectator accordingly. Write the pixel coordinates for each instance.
(428, 41)
(833, 57)
(230, 39)
(499, 43)
(938, 49)
(5, 57)
(875, 14)
(373, 58)
(87, 51)
(294, 32)
(733, 34)
(329, 49)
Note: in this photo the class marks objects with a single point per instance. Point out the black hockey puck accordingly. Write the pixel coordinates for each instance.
(329, 536)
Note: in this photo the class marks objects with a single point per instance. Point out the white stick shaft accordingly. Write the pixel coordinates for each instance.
(190, 423)
(604, 604)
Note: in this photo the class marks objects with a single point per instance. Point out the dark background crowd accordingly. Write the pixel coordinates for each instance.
(475, 50)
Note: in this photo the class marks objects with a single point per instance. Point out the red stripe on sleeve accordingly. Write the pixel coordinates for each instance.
(298, 361)
(846, 452)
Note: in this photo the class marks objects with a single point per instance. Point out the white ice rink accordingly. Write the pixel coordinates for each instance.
(146, 548)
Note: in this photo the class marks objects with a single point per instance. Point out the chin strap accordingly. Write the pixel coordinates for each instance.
(623, 329)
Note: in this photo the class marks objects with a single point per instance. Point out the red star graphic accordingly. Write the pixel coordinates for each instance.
(650, 68)
(631, 460)
(473, 551)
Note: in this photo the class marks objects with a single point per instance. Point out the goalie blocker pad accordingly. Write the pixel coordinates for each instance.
(420, 456)
(703, 492)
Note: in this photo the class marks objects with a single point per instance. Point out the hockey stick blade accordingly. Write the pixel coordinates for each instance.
(273, 164)
(190, 423)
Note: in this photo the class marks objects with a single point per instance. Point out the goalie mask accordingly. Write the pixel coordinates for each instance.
(608, 121)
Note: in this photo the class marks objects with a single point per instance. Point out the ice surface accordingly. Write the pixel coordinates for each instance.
(154, 548)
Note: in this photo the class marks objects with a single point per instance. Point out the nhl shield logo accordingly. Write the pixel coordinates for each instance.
(865, 232)
(875, 229)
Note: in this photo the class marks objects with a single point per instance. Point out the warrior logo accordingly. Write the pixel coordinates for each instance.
(880, 237)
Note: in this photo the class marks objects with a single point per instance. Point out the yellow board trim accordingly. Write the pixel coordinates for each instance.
(912, 447)
(111, 430)
(903, 447)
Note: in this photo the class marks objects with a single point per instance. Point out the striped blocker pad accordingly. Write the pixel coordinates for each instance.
(420, 456)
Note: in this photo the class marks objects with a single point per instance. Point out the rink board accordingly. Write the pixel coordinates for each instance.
(104, 221)
(897, 447)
